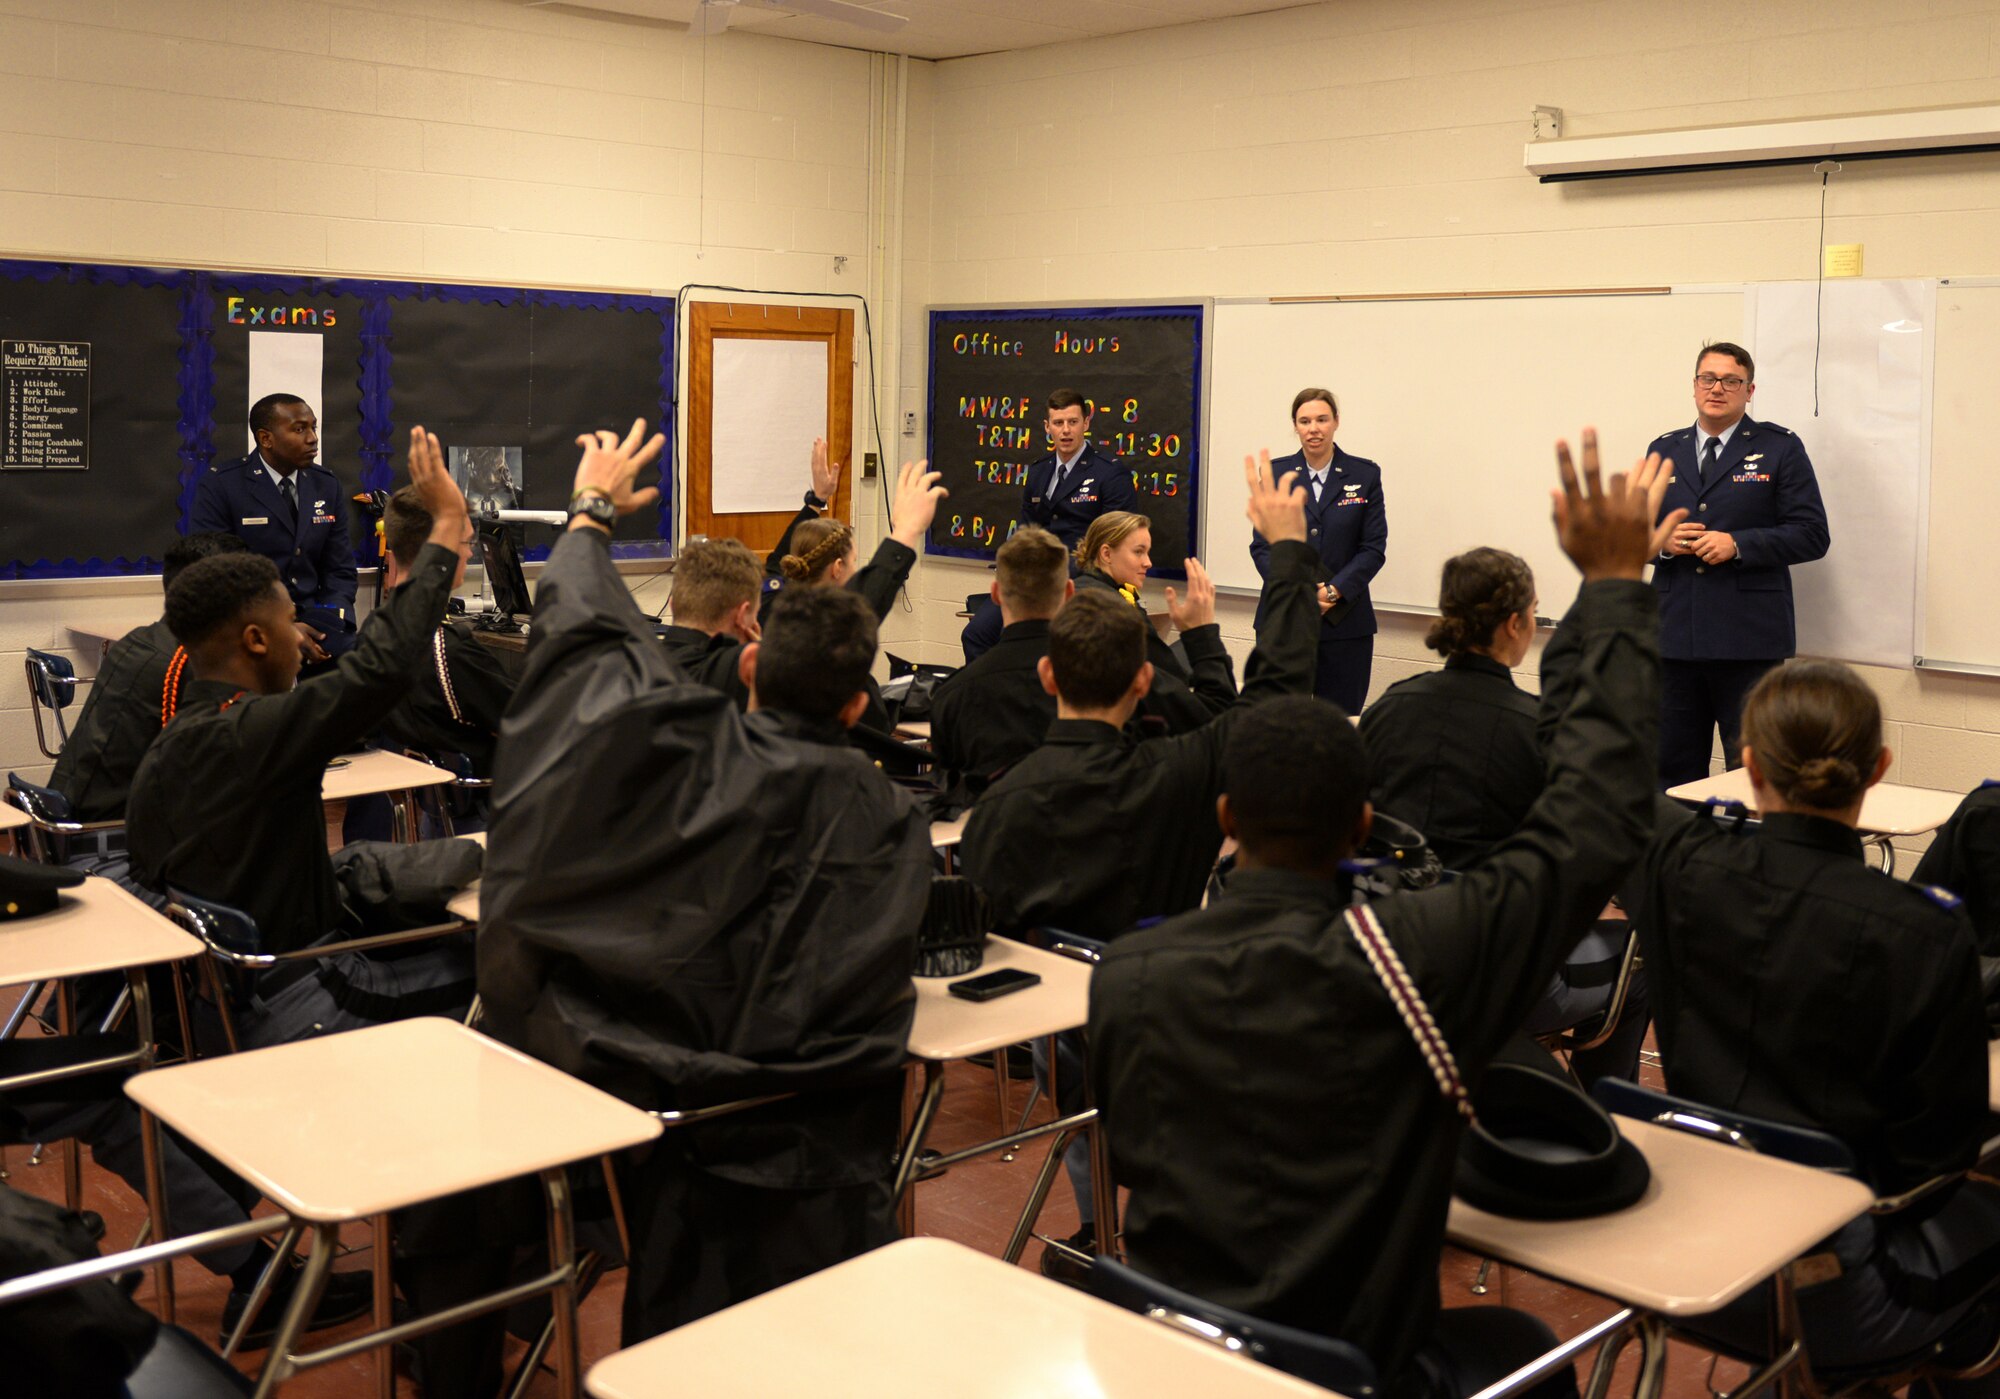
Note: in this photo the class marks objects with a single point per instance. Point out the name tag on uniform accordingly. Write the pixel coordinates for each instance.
(257, 519)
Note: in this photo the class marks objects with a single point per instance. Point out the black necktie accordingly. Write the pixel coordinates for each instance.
(1319, 484)
(291, 495)
(1709, 453)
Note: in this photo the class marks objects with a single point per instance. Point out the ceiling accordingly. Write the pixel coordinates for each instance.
(954, 28)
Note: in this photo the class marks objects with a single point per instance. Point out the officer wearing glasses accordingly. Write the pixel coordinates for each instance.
(1724, 580)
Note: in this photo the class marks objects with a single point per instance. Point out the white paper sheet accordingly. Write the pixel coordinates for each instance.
(769, 404)
(1859, 602)
(288, 362)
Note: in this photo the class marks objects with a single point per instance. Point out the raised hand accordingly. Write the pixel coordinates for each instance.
(1277, 510)
(917, 497)
(825, 475)
(1608, 529)
(441, 496)
(608, 467)
(1199, 608)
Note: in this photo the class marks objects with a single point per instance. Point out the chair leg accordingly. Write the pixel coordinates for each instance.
(1038, 1196)
(1478, 1288)
(222, 1011)
(385, 1317)
(23, 1008)
(617, 1198)
(562, 1301)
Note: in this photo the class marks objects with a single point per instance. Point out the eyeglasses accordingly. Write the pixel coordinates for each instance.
(1708, 381)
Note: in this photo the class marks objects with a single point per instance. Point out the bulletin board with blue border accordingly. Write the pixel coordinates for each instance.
(991, 372)
(120, 386)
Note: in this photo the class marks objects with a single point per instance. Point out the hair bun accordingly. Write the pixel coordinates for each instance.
(1826, 782)
(1447, 636)
(795, 568)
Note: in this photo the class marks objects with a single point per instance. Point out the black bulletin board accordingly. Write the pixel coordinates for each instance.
(991, 372)
(169, 379)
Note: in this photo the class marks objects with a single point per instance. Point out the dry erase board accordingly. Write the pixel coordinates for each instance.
(991, 372)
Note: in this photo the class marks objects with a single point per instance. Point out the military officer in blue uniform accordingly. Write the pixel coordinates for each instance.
(292, 511)
(1347, 525)
(1064, 492)
(1724, 582)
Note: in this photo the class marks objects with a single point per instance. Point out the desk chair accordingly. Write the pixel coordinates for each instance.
(178, 1366)
(1802, 1146)
(233, 940)
(1320, 1360)
(55, 836)
(464, 782)
(52, 683)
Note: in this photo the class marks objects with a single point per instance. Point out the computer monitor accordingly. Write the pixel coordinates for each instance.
(500, 552)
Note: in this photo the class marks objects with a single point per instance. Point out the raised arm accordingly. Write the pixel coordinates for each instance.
(915, 506)
(1211, 673)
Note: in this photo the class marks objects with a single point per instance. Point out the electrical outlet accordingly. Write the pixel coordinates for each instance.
(909, 424)
(869, 463)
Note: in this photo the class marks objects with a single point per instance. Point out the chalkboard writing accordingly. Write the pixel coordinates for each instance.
(45, 398)
(991, 373)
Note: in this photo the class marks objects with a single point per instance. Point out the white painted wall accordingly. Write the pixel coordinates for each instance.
(1347, 148)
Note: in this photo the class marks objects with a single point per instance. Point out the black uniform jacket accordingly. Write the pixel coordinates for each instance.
(685, 905)
(1287, 1150)
(121, 717)
(715, 661)
(1185, 695)
(1098, 484)
(467, 718)
(1764, 495)
(1791, 981)
(1965, 858)
(226, 804)
(1453, 753)
(993, 712)
(1095, 830)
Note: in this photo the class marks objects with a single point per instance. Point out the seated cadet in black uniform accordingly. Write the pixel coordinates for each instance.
(1793, 982)
(993, 712)
(1965, 858)
(461, 687)
(226, 803)
(716, 582)
(293, 511)
(1062, 493)
(135, 692)
(1454, 753)
(687, 905)
(1114, 557)
(1313, 1191)
(1094, 831)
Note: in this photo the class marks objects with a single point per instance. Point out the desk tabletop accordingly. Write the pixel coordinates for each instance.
(910, 1318)
(948, 1027)
(376, 771)
(98, 927)
(360, 1123)
(12, 818)
(1714, 1222)
(1887, 810)
(1993, 1075)
(914, 730)
(105, 632)
(945, 834)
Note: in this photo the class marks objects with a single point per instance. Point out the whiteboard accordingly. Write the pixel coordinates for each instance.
(1460, 400)
(1956, 626)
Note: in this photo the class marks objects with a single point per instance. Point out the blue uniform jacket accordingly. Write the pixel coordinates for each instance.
(1097, 483)
(1766, 498)
(1348, 529)
(317, 560)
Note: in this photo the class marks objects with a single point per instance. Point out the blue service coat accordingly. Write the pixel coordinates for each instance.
(1097, 484)
(1766, 498)
(1348, 529)
(316, 560)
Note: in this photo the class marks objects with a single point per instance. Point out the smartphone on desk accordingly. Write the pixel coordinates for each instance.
(1000, 983)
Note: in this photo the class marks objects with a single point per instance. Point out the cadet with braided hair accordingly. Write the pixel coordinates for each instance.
(1454, 750)
(1791, 981)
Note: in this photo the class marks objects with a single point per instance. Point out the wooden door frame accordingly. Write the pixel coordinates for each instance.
(710, 320)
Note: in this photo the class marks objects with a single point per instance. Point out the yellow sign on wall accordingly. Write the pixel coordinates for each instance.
(1842, 259)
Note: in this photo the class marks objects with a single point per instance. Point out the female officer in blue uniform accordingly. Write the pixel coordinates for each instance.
(1347, 525)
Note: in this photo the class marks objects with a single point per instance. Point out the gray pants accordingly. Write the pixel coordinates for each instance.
(1070, 1098)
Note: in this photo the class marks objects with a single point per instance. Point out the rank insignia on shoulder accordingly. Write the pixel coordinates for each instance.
(1943, 898)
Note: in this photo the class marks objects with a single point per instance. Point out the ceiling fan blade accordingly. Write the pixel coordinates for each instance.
(858, 15)
(710, 17)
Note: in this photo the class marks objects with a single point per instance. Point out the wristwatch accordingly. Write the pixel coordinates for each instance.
(595, 505)
(814, 501)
